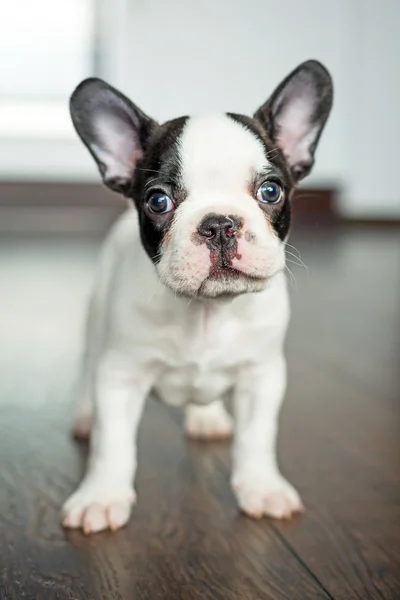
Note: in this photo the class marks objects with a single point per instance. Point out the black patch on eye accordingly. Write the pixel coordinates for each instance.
(280, 219)
(279, 214)
(160, 169)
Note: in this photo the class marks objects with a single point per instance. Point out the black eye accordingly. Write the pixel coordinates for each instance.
(269, 192)
(159, 203)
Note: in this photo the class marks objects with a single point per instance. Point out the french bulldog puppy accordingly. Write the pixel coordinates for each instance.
(190, 299)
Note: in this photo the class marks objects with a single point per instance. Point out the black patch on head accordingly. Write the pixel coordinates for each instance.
(278, 215)
(280, 219)
(159, 169)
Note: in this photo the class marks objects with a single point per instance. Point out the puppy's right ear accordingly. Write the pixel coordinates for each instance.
(114, 130)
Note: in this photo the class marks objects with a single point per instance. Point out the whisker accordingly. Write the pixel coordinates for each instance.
(150, 170)
(153, 180)
(276, 150)
(293, 248)
(291, 279)
(300, 263)
(296, 264)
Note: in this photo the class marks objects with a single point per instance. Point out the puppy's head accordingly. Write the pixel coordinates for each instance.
(212, 193)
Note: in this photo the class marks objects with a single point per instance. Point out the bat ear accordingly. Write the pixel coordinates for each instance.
(114, 130)
(296, 113)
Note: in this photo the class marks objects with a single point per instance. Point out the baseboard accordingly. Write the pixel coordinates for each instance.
(315, 206)
(53, 194)
(373, 222)
(61, 207)
(68, 207)
(56, 219)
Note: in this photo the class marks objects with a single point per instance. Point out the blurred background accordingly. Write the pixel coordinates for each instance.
(182, 57)
(341, 418)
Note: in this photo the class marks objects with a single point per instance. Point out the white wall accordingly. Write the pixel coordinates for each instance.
(183, 56)
(187, 57)
(373, 120)
(217, 55)
(44, 46)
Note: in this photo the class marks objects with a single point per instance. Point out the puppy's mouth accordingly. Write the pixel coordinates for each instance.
(229, 282)
(221, 268)
(226, 273)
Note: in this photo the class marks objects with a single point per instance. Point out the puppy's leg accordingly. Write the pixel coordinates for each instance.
(210, 422)
(83, 414)
(260, 488)
(105, 496)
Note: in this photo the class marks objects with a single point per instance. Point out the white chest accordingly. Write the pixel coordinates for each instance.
(202, 360)
(199, 348)
(194, 383)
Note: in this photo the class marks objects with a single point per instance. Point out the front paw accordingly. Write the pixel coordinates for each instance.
(98, 505)
(266, 495)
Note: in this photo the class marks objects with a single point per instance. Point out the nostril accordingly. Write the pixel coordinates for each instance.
(208, 233)
(229, 231)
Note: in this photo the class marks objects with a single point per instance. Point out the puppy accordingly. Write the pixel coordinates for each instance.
(190, 298)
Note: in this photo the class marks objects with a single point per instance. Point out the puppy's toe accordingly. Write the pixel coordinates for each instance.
(94, 518)
(118, 514)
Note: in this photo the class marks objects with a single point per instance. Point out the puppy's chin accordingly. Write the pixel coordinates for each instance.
(223, 283)
(230, 282)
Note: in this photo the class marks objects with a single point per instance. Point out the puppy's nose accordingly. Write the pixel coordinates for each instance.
(219, 230)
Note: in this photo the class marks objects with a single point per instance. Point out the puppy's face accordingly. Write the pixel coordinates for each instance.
(213, 199)
(212, 193)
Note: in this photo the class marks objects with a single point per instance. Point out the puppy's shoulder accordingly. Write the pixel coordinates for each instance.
(124, 233)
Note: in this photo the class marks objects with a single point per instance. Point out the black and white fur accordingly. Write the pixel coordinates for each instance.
(192, 302)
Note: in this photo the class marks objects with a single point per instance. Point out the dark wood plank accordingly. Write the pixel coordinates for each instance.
(346, 464)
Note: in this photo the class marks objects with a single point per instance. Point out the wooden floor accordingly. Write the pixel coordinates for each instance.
(339, 444)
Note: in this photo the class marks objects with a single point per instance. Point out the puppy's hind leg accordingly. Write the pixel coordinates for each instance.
(83, 414)
(210, 422)
(95, 322)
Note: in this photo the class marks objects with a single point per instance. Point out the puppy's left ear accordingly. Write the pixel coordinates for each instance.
(114, 130)
(296, 113)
